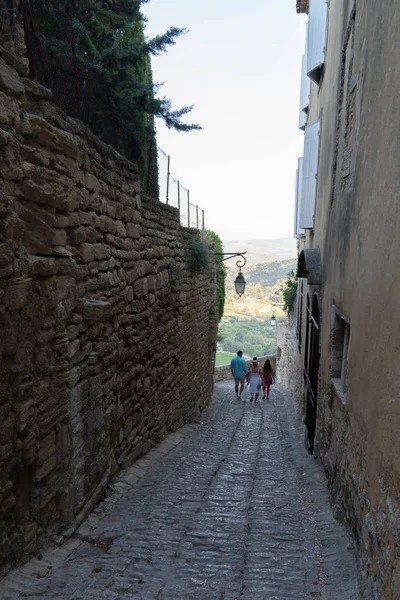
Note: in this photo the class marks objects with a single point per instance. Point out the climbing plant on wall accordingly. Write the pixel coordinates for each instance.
(289, 291)
(221, 271)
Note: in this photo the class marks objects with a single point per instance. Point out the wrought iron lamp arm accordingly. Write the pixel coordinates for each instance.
(239, 263)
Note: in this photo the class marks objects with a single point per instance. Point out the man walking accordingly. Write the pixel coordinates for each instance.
(238, 368)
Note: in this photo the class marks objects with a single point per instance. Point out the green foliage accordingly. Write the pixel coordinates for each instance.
(199, 256)
(224, 358)
(254, 338)
(289, 291)
(221, 271)
(106, 39)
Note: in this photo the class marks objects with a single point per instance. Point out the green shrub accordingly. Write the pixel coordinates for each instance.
(289, 291)
(199, 256)
(221, 271)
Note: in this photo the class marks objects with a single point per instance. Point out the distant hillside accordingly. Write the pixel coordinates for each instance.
(261, 251)
(270, 273)
(263, 280)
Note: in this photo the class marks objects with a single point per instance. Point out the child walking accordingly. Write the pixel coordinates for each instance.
(255, 380)
(267, 378)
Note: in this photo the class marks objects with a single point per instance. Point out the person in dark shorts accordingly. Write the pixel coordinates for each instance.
(239, 370)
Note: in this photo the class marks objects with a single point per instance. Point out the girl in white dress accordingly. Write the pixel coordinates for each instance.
(255, 380)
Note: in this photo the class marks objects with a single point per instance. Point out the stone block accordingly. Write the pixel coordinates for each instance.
(9, 110)
(60, 141)
(44, 186)
(100, 251)
(47, 447)
(73, 348)
(91, 182)
(38, 222)
(37, 90)
(97, 310)
(91, 235)
(77, 235)
(129, 294)
(151, 283)
(62, 252)
(86, 218)
(44, 469)
(87, 252)
(6, 429)
(6, 454)
(17, 292)
(59, 237)
(78, 399)
(9, 327)
(6, 254)
(9, 79)
(62, 220)
(140, 288)
(12, 228)
(21, 65)
(74, 376)
(4, 137)
(133, 230)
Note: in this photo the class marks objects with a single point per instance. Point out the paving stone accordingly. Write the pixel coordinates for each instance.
(230, 508)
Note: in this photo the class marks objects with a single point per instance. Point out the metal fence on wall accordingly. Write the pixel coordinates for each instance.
(172, 192)
(8, 20)
(82, 92)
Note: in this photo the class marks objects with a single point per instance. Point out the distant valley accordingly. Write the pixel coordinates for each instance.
(262, 251)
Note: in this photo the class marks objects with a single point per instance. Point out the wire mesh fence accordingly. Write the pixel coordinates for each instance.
(82, 91)
(8, 20)
(172, 192)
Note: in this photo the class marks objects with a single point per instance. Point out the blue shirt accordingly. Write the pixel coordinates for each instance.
(238, 366)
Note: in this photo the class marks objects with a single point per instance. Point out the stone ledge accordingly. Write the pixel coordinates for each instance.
(96, 310)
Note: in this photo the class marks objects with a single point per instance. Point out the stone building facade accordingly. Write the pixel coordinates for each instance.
(342, 350)
(107, 336)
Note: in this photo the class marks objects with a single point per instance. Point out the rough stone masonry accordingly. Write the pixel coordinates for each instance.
(106, 336)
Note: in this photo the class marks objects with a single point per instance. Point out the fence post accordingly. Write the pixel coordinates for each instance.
(188, 209)
(179, 201)
(168, 161)
(149, 159)
(197, 216)
(202, 219)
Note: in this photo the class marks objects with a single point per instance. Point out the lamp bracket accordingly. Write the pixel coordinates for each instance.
(228, 255)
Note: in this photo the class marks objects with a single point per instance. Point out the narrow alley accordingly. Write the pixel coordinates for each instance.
(232, 507)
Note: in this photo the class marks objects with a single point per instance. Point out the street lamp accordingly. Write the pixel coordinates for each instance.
(273, 318)
(240, 282)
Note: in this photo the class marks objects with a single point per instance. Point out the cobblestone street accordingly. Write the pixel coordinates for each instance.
(229, 508)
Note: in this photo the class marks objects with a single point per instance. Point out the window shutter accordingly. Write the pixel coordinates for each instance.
(316, 39)
(309, 179)
(304, 90)
(299, 177)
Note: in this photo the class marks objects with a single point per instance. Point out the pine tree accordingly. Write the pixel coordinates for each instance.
(101, 46)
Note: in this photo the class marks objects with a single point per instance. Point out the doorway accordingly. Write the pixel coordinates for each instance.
(311, 374)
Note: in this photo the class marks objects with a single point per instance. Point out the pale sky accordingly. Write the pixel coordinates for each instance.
(240, 65)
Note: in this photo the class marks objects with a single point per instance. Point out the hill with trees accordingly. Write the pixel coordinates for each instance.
(246, 323)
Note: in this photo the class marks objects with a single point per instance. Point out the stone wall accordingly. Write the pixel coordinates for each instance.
(106, 337)
(224, 371)
(290, 365)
